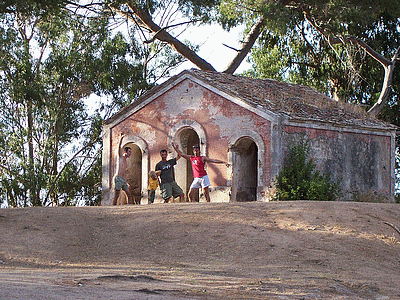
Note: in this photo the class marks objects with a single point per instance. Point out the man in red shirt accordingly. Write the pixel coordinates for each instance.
(200, 177)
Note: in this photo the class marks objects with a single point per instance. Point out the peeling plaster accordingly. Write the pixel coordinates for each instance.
(222, 109)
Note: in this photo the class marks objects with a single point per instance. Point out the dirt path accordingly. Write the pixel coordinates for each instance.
(279, 250)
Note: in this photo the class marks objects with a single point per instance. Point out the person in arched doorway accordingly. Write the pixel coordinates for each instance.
(169, 188)
(200, 177)
(119, 181)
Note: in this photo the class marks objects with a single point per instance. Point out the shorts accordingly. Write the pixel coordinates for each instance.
(170, 189)
(201, 182)
(120, 183)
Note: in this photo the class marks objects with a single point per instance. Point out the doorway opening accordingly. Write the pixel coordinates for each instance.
(244, 170)
(186, 139)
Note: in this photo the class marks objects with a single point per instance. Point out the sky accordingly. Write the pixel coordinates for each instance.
(211, 38)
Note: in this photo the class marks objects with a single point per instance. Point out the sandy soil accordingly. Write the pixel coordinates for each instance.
(278, 250)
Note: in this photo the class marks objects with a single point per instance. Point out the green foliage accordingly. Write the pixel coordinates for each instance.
(294, 47)
(291, 49)
(199, 9)
(50, 64)
(31, 7)
(54, 55)
(299, 179)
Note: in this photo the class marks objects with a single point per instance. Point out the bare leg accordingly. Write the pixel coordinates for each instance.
(207, 194)
(129, 195)
(116, 196)
(192, 194)
(182, 197)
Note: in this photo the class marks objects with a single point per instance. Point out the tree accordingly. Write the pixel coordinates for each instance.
(323, 43)
(143, 15)
(346, 49)
(31, 7)
(327, 44)
(298, 39)
(50, 64)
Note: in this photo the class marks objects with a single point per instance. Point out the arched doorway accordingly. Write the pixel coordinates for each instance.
(133, 175)
(245, 170)
(186, 138)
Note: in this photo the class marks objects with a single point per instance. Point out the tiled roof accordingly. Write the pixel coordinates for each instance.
(296, 101)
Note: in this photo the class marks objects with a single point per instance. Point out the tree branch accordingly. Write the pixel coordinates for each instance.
(247, 45)
(53, 183)
(164, 36)
(387, 83)
(387, 64)
(352, 39)
(7, 169)
(154, 37)
(237, 50)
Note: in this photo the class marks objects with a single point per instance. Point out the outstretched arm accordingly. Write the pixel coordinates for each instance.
(215, 161)
(179, 151)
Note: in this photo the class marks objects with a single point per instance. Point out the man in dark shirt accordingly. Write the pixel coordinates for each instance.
(169, 188)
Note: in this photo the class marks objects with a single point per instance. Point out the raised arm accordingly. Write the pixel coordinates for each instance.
(179, 151)
(119, 150)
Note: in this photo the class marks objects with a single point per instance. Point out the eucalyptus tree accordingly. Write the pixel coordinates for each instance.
(164, 21)
(32, 7)
(327, 44)
(322, 43)
(50, 63)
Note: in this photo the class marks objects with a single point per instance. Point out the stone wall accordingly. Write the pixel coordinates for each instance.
(361, 161)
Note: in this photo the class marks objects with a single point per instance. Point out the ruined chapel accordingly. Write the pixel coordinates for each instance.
(251, 123)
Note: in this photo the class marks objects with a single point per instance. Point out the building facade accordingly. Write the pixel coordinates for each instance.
(251, 123)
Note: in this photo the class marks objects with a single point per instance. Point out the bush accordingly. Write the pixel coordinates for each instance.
(299, 180)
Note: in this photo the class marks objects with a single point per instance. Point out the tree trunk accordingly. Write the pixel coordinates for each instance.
(31, 162)
(387, 83)
(387, 64)
(247, 45)
(164, 36)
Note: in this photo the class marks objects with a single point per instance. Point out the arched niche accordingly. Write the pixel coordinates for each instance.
(137, 170)
(247, 156)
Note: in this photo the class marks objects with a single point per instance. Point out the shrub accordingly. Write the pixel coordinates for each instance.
(299, 179)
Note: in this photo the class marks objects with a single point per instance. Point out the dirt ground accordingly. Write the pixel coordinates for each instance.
(277, 250)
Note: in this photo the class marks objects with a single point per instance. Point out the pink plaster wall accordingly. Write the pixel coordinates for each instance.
(219, 117)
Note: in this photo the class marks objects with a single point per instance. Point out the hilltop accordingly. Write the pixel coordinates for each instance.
(277, 250)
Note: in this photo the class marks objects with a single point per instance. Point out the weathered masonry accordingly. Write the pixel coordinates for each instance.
(251, 123)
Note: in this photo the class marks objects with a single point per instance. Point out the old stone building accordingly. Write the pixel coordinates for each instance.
(250, 123)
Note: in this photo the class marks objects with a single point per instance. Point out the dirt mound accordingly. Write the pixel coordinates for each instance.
(278, 250)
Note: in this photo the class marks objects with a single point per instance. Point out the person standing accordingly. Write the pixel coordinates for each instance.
(200, 177)
(169, 188)
(119, 178)
(153, 184)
